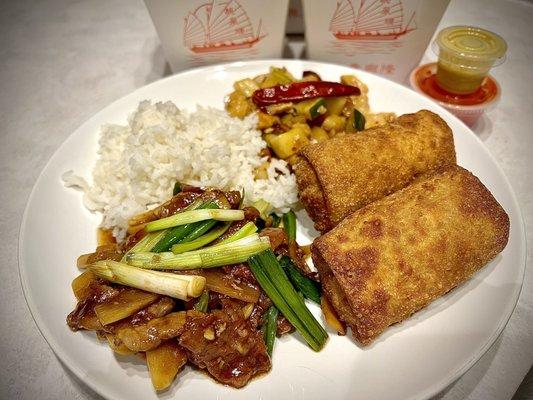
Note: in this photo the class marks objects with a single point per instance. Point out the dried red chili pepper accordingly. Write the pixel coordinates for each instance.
(300, 91)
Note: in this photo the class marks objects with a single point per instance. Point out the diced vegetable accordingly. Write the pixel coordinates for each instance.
(124, 304)
(311, 108)
(335, 105)
(268, 138)
(277, 76)
(279, 108)
(246, 86)
(350, 80)
(265, 120)
(208, 257)
(288, 143)
(319, 134)
(299, 91)
(334, 123)
(309, 288)
(201, 304)
(200, 241)
(270, 328)
(169, 284)
(356, 121)
(188, 217)
(216, 281)
(289, 224)
(277, 286)
(283, 76)
(290, 119)
(331, 317)
(164, 362)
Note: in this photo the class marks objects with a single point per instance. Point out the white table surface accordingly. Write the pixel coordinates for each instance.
(62, 61)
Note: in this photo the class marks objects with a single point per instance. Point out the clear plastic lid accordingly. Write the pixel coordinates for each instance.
(469, 46)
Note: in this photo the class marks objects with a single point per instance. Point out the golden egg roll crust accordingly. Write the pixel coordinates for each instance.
(393, 257)
(349, 171)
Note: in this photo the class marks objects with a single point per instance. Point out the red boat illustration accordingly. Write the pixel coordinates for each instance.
(374, 20)
(219, 26)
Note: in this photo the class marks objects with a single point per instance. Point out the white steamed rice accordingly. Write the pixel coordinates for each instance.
(139, 163)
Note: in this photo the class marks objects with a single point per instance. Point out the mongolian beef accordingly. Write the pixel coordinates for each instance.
(200, 280)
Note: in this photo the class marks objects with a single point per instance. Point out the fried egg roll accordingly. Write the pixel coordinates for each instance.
(393, 257)
(349, 171)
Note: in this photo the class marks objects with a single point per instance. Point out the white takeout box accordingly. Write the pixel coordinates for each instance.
(386, 37)
(200, 32)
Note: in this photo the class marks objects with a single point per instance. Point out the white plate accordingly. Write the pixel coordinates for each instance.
(415, 359)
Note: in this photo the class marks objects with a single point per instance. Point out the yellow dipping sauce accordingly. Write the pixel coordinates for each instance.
(466, 54)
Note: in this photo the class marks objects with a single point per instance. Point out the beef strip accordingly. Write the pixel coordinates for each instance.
(225, 344)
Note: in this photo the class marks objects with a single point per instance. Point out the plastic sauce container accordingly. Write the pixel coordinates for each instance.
(467, 107)
(466, 55)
